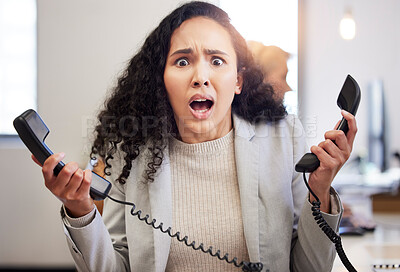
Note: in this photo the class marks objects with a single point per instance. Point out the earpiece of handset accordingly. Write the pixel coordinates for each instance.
(349, 100)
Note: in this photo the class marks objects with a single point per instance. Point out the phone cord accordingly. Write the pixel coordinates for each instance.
(324, 226)
(246, 266)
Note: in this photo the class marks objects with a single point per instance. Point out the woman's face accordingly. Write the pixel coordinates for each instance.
(201, 79)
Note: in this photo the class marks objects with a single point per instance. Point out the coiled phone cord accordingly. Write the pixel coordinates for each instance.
(246, 266)
(324, 226)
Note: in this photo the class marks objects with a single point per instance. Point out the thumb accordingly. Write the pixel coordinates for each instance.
(36, 161)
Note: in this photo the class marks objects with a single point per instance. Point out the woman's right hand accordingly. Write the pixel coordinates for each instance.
(71, 185)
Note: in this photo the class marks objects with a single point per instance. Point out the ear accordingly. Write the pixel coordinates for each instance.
(239, 83)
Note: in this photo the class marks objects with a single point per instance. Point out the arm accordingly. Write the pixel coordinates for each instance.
(90, 243)
(92, 246)
(311, 249)
(332, 154)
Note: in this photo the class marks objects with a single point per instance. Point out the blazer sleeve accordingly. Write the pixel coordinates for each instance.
(311, 249)
(92, 247)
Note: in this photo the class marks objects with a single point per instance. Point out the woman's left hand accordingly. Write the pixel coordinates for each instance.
(332, 154)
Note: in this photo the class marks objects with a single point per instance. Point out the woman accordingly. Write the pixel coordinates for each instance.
(193, 136)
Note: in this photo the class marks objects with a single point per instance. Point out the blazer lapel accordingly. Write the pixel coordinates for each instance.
(247, 165)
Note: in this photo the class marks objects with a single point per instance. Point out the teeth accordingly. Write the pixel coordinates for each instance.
(202, 110)
(200, 100)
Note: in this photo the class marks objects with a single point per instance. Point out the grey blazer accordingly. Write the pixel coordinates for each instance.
(279, 230)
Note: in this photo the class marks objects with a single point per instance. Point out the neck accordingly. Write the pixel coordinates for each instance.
(206, 134)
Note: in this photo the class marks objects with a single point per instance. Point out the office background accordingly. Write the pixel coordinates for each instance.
(83, 45)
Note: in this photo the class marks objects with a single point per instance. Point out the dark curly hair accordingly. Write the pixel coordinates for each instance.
(138, 116)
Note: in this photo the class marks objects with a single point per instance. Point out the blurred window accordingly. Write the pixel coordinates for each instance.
(271, 22)
(18, 81)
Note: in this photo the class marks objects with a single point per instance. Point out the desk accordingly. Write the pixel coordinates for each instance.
(381, 246)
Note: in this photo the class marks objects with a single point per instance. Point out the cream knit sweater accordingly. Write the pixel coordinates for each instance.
(206, 205)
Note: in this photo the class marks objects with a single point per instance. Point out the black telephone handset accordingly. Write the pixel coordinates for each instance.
(348, 100)
(33, 131)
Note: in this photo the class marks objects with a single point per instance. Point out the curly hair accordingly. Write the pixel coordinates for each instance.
(138, 117)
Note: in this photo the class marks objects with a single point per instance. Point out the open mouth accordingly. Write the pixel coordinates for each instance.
(201, 105)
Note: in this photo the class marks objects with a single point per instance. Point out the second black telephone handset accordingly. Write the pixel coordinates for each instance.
(33, 131)
(348, 100)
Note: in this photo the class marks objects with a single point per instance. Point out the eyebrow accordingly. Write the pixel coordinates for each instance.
(182, 51)
(214, 52)
(207, 51)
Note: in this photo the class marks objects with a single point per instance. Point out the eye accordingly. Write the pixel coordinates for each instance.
(217, 62)
(182, 62)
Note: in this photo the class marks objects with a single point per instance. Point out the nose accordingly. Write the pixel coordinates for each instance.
(200, 76)
(197, 84)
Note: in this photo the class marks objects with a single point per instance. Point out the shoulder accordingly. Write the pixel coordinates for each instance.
(288, 127)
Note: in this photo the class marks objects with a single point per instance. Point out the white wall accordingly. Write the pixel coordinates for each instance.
(326, 59)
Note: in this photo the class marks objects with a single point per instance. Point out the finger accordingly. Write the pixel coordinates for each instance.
(50, 164)
(351, 122)
(339, 139)
(324, 158)
(36, 161)
(68, 171)
(75, 181)
(64, 177)
(333, 151)
(84, 189)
